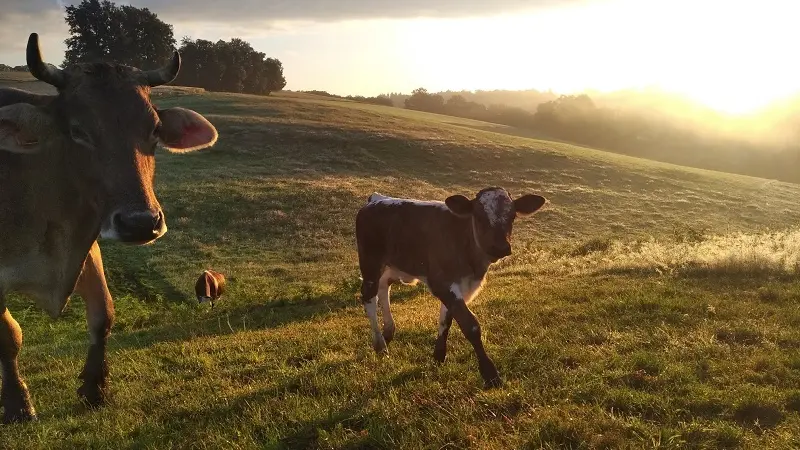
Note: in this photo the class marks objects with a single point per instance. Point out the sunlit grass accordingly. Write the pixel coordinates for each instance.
(774, 253)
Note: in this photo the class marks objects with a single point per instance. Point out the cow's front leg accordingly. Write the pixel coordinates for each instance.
(469, 325)
(99, 317)
(16, 401)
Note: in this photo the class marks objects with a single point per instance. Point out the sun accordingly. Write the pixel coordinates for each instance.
(730, 100)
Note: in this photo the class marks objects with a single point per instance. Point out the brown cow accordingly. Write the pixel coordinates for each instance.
(209, 286)
(73, 166)
(447, 245)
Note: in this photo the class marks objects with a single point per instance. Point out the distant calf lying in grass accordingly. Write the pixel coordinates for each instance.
(447, 245)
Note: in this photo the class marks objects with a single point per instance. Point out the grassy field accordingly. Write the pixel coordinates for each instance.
(647, 306)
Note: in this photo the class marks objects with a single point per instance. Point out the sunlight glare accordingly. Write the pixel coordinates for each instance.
(732, 56)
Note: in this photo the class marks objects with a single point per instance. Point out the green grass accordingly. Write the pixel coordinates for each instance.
(624, 319)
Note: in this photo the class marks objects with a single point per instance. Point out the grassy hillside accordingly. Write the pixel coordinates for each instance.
(647, 306)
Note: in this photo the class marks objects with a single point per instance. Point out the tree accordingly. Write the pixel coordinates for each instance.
(102, 31)
(232, 66)
(423, 101)
(273, 71)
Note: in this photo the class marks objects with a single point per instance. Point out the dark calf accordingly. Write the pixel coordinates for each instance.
(447, 245)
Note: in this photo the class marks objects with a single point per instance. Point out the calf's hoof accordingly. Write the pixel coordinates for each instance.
(440, 353)
(93, 395)
(388, 333)
(493, 383)
(490, 375)
(380, 347)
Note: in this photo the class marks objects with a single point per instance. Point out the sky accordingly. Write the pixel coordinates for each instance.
(735, 56)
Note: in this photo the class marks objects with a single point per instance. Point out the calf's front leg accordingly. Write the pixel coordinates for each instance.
(466, 320)
(14, 396)
(93, 289)
(445, 321)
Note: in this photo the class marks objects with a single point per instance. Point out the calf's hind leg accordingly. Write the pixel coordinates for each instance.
(370, 278)
(14, 396)
(99, 317)
(384, 287)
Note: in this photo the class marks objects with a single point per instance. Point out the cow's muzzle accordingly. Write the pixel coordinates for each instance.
(135, 227)
(500, 251)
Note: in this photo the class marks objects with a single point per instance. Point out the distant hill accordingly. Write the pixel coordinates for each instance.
(527, 99)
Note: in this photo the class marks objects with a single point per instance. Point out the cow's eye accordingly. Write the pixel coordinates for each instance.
(78, 135)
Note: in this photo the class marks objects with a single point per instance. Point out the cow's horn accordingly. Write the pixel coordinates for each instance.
(48, 73)
(165, 74)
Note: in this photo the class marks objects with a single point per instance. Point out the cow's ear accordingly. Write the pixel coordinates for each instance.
(21, 126)
(529, 204)
(459, 205)
(183, 130)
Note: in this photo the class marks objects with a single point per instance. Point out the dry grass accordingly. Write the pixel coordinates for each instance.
(774, 253)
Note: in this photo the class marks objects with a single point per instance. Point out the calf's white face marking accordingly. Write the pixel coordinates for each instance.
(497, 205)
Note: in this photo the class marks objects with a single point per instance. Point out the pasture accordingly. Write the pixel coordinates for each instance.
(646, 306)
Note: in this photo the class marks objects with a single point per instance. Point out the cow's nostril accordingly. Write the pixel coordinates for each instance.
(139, 226)
(159, 221)
(117, 220)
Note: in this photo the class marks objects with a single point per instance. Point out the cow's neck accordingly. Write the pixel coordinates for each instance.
(66, 207)
(479, 261)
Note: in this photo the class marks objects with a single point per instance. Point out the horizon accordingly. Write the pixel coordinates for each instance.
(731, 58)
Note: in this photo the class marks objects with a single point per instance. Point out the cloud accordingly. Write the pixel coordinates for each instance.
(18, 18)
(336, 10)
(300, 10)
(15, 27)
(28, 7)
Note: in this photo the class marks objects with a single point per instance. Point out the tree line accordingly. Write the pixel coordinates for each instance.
(104, 31)
(6, 68)
(578, 119)
(382, 99)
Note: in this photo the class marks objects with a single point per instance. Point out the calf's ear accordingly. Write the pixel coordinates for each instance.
(21, 126)
(459, 205)
(529, 204)
(183, 130)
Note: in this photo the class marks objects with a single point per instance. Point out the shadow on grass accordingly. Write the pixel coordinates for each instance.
(271, 314)
(128, 271)
(222, 320)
